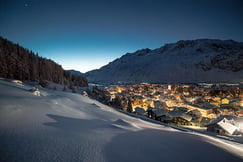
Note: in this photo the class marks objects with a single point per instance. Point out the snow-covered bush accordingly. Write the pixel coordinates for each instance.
(35, 91)
(85, 93)
(17, 82)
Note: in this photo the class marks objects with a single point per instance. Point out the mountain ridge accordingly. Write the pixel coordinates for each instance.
(75, 72)
(200, 60)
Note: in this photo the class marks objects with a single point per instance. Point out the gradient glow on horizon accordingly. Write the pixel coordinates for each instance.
(87, 34)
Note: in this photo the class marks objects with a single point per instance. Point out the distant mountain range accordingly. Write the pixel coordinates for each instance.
(189, 61)
(75, 72)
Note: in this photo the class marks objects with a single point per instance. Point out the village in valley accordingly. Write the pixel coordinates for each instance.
(213, 107)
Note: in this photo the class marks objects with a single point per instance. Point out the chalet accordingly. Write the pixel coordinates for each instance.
(225, 101)
(239, 113)
(199, 100)
(195, 123)
(223, 111)
(216, 99)
(165, 119)
(204, 109)
(183, 109)
(212, 116)
(224, 125)
(195, 114)
(190, 99)
(140, 111)
(226, 106)
(180, 118)
(156, 113)
(149, 112)
(213, 102)
(160, 104)
(204, 121)
(235, 102)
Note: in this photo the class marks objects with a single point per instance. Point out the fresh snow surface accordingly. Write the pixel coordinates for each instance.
(61, 126)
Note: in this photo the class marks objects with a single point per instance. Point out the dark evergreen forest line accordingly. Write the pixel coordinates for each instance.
(20, 63)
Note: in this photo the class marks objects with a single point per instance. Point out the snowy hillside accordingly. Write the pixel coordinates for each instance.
(59, 126)
(202, 60)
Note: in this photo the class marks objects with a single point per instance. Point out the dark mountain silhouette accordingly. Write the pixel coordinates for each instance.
(20, 63)
(75, 72)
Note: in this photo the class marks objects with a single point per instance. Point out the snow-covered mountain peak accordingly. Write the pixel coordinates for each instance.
(201, 60)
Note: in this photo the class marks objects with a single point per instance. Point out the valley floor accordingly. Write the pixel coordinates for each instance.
(60, 126)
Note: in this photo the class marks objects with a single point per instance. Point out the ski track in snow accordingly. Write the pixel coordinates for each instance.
(59, 126)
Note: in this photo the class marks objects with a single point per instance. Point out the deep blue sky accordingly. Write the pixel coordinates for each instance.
(87, 34)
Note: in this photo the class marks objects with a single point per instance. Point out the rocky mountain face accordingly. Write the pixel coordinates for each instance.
(190, 61)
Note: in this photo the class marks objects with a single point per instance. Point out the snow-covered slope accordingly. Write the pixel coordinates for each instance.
(58, 126)
(202, 60)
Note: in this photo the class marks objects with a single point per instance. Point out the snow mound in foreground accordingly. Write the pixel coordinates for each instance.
(121, 123)
(63, 126)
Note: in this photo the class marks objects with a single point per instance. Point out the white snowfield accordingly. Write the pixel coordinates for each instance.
(61, 126)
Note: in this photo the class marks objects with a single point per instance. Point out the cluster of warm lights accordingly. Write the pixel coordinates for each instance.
(119, 89)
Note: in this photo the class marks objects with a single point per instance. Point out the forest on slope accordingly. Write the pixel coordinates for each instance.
(20, 63)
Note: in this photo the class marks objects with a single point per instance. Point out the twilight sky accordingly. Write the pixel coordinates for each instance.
(87, 34)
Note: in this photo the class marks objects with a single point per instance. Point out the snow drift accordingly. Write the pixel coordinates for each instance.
(59, 126)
